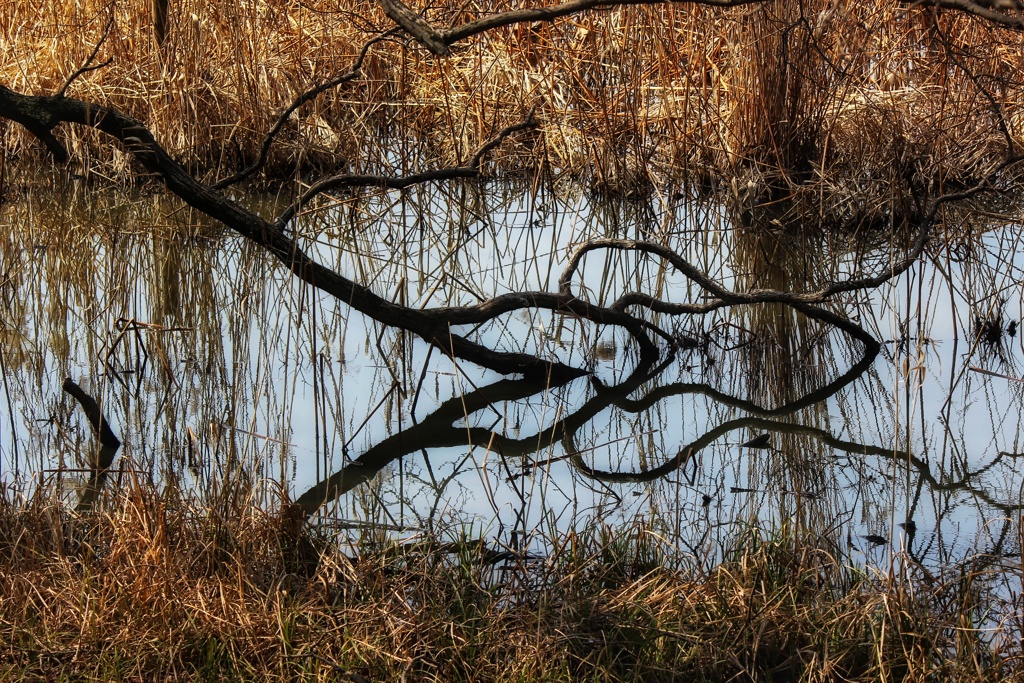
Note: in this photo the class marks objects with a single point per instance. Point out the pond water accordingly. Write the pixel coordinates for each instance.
(214, 364)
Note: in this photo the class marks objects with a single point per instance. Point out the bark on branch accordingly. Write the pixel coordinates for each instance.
(1006, 13)
(415, 26)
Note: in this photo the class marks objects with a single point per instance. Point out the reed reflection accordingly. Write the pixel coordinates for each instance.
(216, 367)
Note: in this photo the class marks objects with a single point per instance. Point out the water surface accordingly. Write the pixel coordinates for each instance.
(214, 364)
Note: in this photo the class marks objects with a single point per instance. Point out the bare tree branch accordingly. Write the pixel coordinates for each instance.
(436, 42)
(471, 169)
(996, 11)
(520, 16)
(302, 99)
(40, 114)
(433, 325)
(85, 68)
(109, 444)
(415, 26)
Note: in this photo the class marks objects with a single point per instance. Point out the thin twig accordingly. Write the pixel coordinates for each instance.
(85, 68)
(302, 99)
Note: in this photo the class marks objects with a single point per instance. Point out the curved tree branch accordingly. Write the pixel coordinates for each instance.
(996, 11)
(40, 114)
(302, 99)
(432, 325)
(564, 9)
(471, 169)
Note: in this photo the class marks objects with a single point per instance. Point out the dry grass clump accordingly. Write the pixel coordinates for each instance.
(767, 99)
(160, 586)
(210, 92)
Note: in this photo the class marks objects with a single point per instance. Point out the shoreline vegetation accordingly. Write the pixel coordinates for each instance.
(858, 102)
(162, 586)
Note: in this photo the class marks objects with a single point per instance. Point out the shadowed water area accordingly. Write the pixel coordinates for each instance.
(898, 430)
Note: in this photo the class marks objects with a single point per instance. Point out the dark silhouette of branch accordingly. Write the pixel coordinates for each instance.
(996, 11)
(432, 325)
(437, 42)
(41, 114)
(302, 99)
(94, 415)
(88, 65)
(521, 16)
(471, 169)
(444, 426)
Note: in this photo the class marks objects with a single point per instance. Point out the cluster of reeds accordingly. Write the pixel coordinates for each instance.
(841, 96)
(163, 586)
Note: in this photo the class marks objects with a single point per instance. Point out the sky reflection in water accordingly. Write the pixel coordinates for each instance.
(213, 363)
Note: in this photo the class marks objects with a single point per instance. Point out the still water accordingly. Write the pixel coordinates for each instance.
(213, 364)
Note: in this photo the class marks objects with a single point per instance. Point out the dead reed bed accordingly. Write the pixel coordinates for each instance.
(837, 96)
(163, 586)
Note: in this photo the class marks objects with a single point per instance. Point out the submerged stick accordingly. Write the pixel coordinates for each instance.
(109, 443)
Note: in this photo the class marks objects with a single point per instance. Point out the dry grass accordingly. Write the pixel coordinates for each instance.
(834, 96)
(162, 587)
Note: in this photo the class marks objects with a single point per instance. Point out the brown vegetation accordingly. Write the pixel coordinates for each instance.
(763, 97)
(878, 109)
(164, 587)
(912, 191)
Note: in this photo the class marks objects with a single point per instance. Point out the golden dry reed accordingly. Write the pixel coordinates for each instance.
(832, 93)
(160, 586)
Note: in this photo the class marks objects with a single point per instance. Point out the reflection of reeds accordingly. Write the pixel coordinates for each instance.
(782, 354)
(137, 313)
